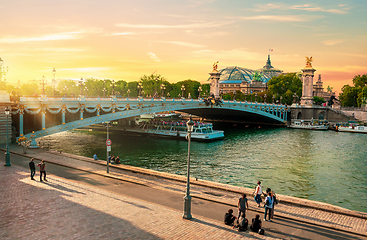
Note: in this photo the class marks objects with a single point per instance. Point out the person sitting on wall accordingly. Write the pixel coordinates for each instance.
(117, 160)
(256, 223)
(95, 156)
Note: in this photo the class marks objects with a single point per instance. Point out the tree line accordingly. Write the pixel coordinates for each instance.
(285, 88)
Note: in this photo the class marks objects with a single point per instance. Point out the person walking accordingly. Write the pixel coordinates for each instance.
(269, 202)
(258, 192)
(32, 166)
(42, 167)
(242, 205)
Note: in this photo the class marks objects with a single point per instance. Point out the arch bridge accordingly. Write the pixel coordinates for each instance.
(41, 116)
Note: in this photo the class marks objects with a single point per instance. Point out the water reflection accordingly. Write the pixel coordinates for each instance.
(308, 164)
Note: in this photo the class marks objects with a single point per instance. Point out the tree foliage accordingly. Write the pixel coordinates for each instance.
(354, 96)
(285, 85)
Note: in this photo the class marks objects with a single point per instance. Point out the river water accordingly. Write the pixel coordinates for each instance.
(325, 166)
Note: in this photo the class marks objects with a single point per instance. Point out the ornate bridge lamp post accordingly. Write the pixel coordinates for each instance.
(81, 83)
(128, 93)
(156, 83)
(86, 91)
(199, 90)
(245, 96)
(104, 90)
(43, 82)
(265, 98)
(187, 198)
(168, 95)
(54, 80)
(256, 97)
(140, 87)
(182, 90)
(66, 90)
(273, 99)
(142, 93)
(113, 87)
(163, 87)
(281, 98)
(7, 154)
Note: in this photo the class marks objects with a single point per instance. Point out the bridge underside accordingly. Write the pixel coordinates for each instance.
(229, 115)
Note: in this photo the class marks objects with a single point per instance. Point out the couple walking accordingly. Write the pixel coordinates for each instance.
(42, 167)
(270, 201)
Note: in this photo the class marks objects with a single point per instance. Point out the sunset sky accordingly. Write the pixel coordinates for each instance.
(125, 40)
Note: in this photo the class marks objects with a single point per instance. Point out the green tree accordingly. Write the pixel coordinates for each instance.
(349, 95)
(285, 85)
(360, 81)
(318, 100)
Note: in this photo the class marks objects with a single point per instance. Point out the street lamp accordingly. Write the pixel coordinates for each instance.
(140, 87)
(142, 93)
(104, 88)
(43, 82)
(200, 90)
(163, 87)
(113, 87)
(273, 98)
(108, 147)
(54, 80)
(128, 93)
(187, 198)
(81, 83)
(265, 98)
(156, 83)
(65, 89)
(168, 95)
(86, 91)
(281, 97)
(182, 90)
(256, 97)
(7, 154)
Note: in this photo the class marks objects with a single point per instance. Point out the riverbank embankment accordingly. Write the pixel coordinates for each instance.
(312, 212)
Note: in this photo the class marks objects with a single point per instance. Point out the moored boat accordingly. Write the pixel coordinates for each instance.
(309, 124)
(173, 127)
(352, 128)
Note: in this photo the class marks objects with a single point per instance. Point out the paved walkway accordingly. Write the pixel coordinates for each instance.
(317, 213)
(62, 209)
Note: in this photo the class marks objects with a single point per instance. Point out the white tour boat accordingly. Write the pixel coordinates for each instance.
(309, 124)
(352, 128)
(165, 125)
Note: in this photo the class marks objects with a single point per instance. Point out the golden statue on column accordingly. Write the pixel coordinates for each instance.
(215, 66)
(309, 62)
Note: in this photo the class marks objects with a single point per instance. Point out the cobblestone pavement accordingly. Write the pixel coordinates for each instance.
(62, 209)
(317, 213)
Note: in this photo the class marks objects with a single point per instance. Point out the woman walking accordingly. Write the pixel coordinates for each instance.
(258, 192)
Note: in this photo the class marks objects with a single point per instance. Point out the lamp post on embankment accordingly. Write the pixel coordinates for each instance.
(108, 145)
(187, 198)
(7, 154)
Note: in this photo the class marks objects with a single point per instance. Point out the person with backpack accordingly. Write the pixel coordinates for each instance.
(269, 202)
(242, 223)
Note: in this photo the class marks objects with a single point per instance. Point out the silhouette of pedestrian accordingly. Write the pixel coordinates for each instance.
(32, 166)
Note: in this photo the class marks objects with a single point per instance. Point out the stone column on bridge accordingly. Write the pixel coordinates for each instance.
(214, 80)
(307, 83)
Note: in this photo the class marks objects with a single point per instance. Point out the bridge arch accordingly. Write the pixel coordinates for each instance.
(89, 111)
